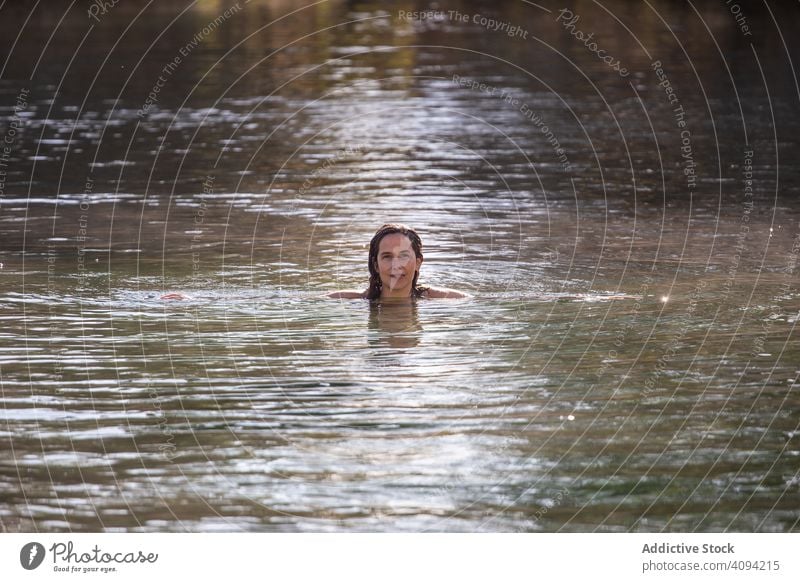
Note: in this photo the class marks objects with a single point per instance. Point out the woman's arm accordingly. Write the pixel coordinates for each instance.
(348, 294)
(435, 293)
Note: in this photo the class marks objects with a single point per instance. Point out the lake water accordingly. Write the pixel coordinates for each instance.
(629, 360)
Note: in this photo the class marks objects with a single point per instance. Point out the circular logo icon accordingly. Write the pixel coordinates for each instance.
(31, 555)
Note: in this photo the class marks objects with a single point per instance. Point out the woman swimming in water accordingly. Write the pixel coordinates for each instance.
(395, 257)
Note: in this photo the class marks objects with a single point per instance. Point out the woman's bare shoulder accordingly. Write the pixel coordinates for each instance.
(348, 294)
(442, 293)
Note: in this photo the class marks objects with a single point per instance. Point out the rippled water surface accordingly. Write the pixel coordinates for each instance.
(629, 358)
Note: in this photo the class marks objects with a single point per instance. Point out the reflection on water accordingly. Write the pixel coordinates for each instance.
(394, 324)
(629, 360)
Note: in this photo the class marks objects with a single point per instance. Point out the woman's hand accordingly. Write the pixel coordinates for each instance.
(179, 296)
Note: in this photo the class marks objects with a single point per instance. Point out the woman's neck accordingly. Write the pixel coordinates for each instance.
(395, 296)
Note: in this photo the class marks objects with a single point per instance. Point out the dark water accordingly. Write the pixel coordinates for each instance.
(629, 361)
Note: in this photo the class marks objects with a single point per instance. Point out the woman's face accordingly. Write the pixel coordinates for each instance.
(397, 264)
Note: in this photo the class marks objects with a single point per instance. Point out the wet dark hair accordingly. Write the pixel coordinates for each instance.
(374, 290)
